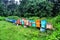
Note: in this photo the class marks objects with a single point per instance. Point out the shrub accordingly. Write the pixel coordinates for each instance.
(13, 17)
(2, 18)
(34, 18)
(57, 19)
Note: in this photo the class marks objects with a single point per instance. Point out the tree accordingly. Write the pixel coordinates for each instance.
(1, 9)
(39, 8)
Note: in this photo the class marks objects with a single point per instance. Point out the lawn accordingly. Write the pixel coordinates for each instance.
(9, 31)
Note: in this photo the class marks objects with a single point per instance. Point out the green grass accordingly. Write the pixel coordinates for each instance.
(9, 31)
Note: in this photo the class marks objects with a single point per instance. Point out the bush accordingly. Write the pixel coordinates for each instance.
(2, 18)
(13, 17)
(34, 18)
(57, 19)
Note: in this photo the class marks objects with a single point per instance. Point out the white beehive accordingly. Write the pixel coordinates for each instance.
(49, 26)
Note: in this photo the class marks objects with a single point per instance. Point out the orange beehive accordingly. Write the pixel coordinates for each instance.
(38, 23)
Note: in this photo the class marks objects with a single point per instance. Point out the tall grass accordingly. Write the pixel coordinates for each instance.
(9, 31)
(2, 18)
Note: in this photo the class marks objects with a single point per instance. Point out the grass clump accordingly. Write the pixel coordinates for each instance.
(2, 18)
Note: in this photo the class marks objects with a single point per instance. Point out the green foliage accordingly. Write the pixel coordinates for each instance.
(13, 17)
(40, 8)
(56, 23)
(1, 9)
(28, 8)
(34, 18)
(19, 33)
(2, 18)
(57, 19)
(12, 32)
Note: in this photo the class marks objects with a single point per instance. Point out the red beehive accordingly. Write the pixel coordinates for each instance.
(29, 24)
(18, 21)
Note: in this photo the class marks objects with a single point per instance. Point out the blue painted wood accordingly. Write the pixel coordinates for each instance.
(22, 22)
(42, 29)
(30, 21)
(33, 24)
(13, 21)
(43, 23)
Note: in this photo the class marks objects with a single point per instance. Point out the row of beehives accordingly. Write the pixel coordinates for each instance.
(43, 25)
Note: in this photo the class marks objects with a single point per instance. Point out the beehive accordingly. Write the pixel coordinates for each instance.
(38, 23)
(49, 26)
(33, 24)
(13, 21)
(22, 22)
(27, 21)
(43, 23)
(18, 21)
(30, 22)
(42, 29)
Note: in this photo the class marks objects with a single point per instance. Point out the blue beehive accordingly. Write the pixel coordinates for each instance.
(13, 21)
(30, 21)
(10, 20)
(22, 22)
(42, 29)
(43, 23)
(33, 24)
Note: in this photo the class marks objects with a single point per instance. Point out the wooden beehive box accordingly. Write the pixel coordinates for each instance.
(38, 23)
(49, 26)
(18, 21)
(27, 21)
(43, 23)
(33, 24)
